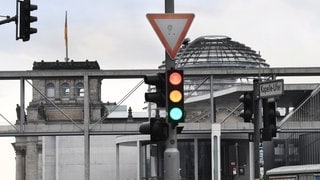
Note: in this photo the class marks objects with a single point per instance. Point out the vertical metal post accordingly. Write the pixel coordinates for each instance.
(215, 137)
(22, 114)
(117, 161)
(86, 129)
(196, 159)
(212, 109)
(251, 159)
(172, 156)
(213, 145)
(169, 6)
(237, 176)
(139, 161)
(171, 153)
(257, 123)
(215, 151)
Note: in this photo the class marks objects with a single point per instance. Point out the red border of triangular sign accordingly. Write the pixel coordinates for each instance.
(172, 52)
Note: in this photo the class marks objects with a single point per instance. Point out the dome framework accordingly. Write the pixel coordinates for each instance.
(215, 52)
(218, 51)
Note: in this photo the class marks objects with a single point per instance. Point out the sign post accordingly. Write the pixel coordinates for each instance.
(262, 90)
(171, 29)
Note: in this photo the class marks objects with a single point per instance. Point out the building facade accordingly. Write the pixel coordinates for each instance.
(54, 101)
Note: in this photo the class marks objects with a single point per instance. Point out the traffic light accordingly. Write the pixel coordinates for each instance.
(269, 120)
(157, 128)
(248, 106)
(159, 96)
(175, 96)
(25, 19)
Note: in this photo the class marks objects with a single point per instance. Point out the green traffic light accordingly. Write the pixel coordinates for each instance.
(176, 114)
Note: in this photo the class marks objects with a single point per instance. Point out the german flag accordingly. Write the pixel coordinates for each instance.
(66, 29)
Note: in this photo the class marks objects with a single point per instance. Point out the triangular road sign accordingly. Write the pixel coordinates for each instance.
(171, 29)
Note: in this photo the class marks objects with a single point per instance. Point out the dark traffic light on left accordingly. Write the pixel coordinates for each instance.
(159, 95)
(248, 106)
(25, 19)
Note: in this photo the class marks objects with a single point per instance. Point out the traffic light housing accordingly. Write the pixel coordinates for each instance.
(157, 128)
(269, 120)
(248, 106)
(159, 96)
(25, 19)
(175, 96)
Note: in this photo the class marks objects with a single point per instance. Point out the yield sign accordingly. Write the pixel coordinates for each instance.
(171, 29)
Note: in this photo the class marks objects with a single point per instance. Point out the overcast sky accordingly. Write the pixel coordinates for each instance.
(118, 35)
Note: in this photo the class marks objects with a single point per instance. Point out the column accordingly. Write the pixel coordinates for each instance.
(139, 166)
(39, 150)
(20, 161)
(32, 158)
(49, 158)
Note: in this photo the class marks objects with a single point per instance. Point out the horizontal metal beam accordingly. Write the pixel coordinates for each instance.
(288, 71)
(66, 133)
(107, 74)
(109, 132)
(139, 73)
(101, 129)
(118, 129)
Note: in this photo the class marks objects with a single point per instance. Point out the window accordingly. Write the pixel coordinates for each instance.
(50, 90)
(79, 89)
(65, 90)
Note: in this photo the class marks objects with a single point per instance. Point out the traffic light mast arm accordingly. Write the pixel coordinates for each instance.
(9, 19)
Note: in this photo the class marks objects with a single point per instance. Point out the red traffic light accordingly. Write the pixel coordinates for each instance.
(175, 78)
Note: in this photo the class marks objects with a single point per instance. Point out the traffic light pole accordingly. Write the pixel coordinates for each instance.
(171, 153)
(257, 122)
(172, 156)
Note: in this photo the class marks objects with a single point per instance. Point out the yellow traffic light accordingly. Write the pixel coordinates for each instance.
(175, 96)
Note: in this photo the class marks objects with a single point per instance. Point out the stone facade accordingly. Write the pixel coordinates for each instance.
(41, 108)
(55, 100)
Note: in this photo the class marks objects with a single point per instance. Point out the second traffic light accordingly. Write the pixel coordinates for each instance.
(25, 19)
(175, 96)
(248, 106)
(159, 95)
(269, 120)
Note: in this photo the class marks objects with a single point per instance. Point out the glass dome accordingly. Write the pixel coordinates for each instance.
(215, 52)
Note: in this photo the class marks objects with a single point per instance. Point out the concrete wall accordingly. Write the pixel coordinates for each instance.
(63, 158)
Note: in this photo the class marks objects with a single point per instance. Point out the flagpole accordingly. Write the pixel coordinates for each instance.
(66, 36)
